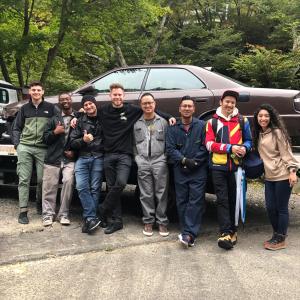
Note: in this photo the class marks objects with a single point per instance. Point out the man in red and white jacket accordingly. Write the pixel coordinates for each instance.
(228, 138)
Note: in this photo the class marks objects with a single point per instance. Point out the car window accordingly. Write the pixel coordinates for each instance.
(172, 79)
(130, 79)
(3, 96)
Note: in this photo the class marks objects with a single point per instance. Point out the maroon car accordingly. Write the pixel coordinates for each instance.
(168, 83)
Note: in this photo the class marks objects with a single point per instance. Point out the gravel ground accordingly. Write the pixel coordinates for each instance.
(9, 209)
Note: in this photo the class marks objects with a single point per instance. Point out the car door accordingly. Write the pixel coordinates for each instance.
(169, 84)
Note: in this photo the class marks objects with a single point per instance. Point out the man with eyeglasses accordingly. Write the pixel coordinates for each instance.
(188, 154)
(149, 153)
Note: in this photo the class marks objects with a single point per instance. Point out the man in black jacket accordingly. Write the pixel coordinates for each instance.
(87, 140)
(27, 137)
(60, 160)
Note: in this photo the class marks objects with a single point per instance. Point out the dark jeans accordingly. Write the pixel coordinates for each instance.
(277, 195)
(190, 199)
(117, 169)
(225, 189)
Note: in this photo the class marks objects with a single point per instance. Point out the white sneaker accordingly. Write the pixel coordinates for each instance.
(47, 221)
(64, 221)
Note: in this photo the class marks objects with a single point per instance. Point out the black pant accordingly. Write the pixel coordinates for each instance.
(225, 189)
(117, 169)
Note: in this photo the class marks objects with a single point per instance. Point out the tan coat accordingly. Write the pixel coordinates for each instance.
(276, 155)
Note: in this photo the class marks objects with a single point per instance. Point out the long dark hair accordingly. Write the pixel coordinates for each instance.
(275, 122)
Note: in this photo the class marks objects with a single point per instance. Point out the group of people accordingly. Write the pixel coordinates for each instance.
(83, 147)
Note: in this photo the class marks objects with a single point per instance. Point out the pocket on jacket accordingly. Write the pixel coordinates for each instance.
(160, 135)
(139, 135)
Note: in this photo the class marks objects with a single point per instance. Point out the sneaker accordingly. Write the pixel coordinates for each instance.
(277, 243)
(92, 225)
(148, 229)
(64, 221)
(47, 221)
(234, 238)
(224, 241)
(163, 230)
(84, 228)
(186, 240)
(23, 219)
(113, 227)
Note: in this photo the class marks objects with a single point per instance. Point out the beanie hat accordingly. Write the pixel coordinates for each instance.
(86, 98)
(231, 93)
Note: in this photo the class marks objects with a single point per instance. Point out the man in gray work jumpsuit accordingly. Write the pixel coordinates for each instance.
(153, 176)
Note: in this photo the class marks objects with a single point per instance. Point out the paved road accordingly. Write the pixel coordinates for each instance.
(62, 263)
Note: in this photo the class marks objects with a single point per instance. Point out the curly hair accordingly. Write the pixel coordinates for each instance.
(276, 122)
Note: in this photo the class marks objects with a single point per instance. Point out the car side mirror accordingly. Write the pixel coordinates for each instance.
(88, 89)
(244, 97)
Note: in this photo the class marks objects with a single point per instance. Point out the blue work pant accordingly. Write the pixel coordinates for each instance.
(190, 198)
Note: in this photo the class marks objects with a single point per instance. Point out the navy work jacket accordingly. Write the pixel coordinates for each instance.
(188, 144)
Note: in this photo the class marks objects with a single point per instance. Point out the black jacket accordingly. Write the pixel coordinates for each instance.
(93, 126)
(57, 144)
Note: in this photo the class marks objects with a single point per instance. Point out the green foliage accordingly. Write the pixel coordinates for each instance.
(268, 68)
(98, 34)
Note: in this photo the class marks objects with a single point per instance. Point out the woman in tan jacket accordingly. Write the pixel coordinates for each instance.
(271, 139)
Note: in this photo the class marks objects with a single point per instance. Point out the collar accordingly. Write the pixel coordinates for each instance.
(156, 117)
(63, 114)
(234, 113)
(262, 133)
(179, 122)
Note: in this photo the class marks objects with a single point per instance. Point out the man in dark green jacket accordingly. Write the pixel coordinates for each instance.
(27, 137)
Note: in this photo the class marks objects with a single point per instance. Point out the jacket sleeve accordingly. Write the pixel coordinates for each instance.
(202, 154)
(174, 154)
(247, 137)
(76, 140)
(285, 151)
(211, 144)
(164, 115)
(17, 127)
(49, 136)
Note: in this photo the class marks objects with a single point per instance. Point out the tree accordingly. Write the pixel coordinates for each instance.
(268, 68)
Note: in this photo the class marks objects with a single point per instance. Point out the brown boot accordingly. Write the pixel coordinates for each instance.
(277, 243)
(271, 239)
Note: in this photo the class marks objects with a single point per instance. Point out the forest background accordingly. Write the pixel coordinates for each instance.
(64, 43)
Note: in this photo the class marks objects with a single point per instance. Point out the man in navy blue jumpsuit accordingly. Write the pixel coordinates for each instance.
(187, 152)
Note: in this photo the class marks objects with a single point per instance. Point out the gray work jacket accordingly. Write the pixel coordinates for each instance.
(142, 140)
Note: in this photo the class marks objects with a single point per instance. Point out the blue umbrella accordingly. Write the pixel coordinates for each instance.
(241, 187)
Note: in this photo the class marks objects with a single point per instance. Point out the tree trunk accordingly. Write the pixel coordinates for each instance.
(4, 69)
(296, 39)
(52, 52)
(120, 56)
(153, 50)
(23, 47)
